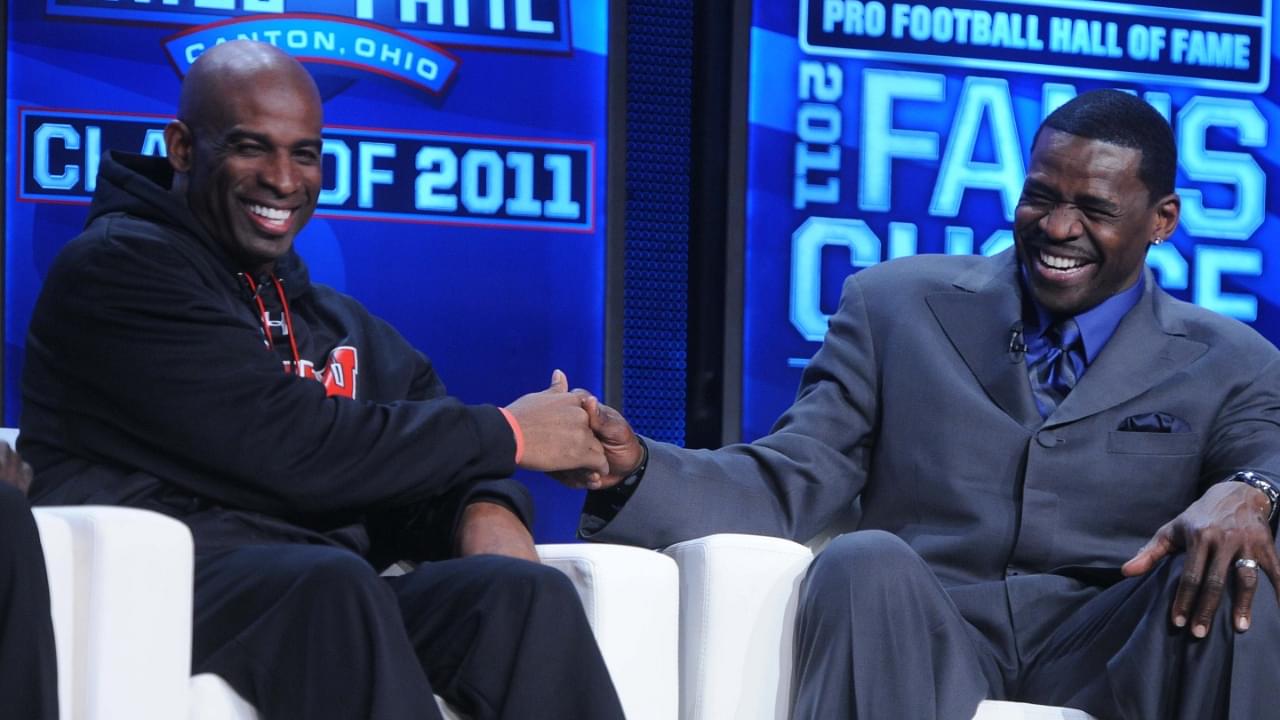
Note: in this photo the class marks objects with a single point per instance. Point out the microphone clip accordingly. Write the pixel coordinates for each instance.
(1017, 345)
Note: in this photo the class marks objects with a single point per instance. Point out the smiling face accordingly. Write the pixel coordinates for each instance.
(251, 160)
(1084, 221)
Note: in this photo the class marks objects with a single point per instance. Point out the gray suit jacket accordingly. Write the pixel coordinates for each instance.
(914, 405)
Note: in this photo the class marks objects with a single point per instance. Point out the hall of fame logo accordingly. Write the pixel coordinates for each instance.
(399, 39)
(374, 173)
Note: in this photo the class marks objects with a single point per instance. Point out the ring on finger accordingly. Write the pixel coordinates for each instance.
(1247, 563)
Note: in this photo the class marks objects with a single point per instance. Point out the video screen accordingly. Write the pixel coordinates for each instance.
(884, 129)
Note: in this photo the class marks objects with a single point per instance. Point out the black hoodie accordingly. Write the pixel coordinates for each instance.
(149, 381)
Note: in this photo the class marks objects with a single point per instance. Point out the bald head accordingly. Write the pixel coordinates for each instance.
(223, 70)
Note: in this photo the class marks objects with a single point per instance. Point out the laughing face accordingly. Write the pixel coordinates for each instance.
(252, 164)
(1084, 221)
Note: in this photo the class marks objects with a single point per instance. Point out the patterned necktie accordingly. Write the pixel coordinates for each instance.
(1055, 372)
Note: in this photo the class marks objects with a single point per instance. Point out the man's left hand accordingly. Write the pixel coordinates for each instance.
(13, 470)
(489, 528)
(1227, 523)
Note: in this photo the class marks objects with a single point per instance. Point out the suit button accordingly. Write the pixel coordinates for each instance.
(1048, 439)
(1012, 572)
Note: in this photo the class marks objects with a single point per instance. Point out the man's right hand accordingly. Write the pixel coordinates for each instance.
(621, 446)
(556, 434)
(13, 470)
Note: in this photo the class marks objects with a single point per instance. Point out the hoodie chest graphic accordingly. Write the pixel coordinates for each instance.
(337, 375)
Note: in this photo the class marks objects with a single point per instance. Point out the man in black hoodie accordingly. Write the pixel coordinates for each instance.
(180, 360)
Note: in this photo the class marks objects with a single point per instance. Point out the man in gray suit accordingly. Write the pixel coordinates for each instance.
(1067, 477)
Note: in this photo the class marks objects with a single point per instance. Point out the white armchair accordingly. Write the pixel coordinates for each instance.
(120, 586)
(630, 598)
(738, 598)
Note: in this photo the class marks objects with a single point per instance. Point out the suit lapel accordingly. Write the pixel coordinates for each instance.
(1145, 351)
(978, 318)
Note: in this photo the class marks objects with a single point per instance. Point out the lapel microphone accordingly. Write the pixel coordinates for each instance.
(1017, 346)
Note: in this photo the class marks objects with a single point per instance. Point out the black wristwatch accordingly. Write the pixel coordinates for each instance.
(1252, 478)
(633, 478)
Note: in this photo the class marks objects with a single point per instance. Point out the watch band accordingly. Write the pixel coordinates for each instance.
(1251, 478)
(633, 478)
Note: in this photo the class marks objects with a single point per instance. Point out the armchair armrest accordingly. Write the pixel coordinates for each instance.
(59, 561)
(630, 596)
(121, 598)
(738, 596)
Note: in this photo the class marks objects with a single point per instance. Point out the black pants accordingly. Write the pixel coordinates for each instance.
(28, 667)
(313, 632)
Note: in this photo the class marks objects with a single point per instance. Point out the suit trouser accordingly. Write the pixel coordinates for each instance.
(879, 636)
(28, 664)
(313, 632)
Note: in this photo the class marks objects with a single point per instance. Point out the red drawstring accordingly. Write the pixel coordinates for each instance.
(266, 326)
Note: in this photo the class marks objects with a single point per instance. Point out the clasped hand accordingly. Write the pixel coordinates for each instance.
(1227, 524)
(557, 434)
(560, 431)
(622, 449)
(574, 437)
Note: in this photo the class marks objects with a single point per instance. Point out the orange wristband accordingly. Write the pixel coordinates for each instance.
(515, 430)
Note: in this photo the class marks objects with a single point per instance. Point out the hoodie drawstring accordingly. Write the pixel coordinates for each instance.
(266, 325)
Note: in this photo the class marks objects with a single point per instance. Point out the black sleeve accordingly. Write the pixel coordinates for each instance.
(425, 531)
(601, 506)
(152, 368)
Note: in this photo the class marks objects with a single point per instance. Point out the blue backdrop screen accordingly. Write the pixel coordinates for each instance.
(463, 154)
(884, 129)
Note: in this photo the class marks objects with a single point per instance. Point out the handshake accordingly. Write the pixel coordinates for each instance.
(574, 437)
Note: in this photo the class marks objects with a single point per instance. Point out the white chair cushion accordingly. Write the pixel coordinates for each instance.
(1001, 710)
(213, 699)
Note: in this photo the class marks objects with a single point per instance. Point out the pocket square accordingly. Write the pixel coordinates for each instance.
(1157, 422)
